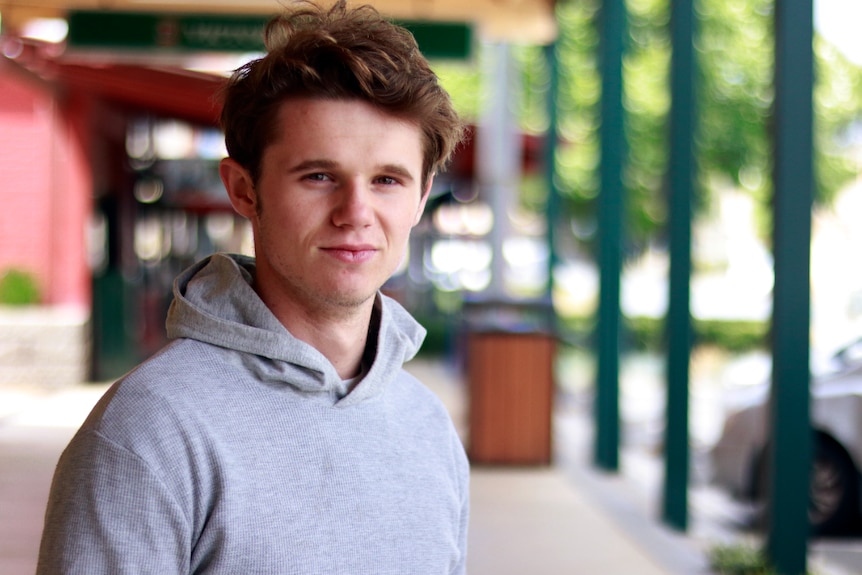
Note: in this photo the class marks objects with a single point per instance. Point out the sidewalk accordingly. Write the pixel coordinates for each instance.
(567, 518)
(35, 426)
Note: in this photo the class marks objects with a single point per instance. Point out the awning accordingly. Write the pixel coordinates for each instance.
(168, 91)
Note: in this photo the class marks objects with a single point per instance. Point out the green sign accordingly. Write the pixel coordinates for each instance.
(129, 31)
(446, 40)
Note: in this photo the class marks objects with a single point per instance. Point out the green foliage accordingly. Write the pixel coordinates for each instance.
(463, 82)
(838, 102)
(739, 560)
(732, 335)
(640, 333)
(647, 104)
(735, 51)
(735, 55)
(644, 333)
(536, 80)
(647, 333)
(578, 115)
(18, 287)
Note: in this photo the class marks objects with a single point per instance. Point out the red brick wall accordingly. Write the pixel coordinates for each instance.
(44, 187)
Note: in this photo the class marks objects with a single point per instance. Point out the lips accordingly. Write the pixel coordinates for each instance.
(354, 254)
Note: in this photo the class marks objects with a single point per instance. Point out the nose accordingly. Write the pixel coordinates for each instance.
(353, 206)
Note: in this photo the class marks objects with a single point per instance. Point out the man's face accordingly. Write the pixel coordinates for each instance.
(338, 193)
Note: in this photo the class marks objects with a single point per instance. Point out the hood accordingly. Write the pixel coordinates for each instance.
(215, 303)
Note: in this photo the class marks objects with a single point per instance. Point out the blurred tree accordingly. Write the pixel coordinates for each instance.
(735, 51)
(838, 111)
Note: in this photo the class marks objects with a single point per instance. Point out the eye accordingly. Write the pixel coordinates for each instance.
(316, 177)
(387, 181)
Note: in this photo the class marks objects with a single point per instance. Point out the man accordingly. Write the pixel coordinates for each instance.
(278, 432)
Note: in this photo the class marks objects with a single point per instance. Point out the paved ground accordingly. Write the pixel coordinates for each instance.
(565, 518)
(35, 425)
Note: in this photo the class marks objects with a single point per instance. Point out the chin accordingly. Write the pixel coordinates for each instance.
(348, 299)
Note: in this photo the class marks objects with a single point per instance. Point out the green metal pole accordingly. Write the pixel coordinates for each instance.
(790, 457)
(681, 176)
(610, 217)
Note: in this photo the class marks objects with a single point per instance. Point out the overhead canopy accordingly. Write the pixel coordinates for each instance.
(528, 21)
(170, 92)
(167, 91)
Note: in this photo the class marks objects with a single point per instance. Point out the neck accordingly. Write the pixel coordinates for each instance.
(340, 335)
(344, 346)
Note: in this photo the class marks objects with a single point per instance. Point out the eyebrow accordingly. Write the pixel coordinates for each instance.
(322, 164)
(313, 165)
(398, 170)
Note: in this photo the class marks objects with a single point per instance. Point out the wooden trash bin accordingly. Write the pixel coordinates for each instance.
(511, 387)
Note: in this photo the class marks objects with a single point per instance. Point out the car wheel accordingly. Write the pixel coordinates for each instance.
(834, 490)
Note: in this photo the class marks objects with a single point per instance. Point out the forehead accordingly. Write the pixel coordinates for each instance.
(307, 124)
(312, 112)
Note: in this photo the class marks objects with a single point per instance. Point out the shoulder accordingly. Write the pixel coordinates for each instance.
(433, 378)
(429, 399)
(160, 396)
(409, 387)
(433, 406)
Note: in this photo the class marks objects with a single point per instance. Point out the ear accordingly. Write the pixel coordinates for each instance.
(425, 194)
(240, 187)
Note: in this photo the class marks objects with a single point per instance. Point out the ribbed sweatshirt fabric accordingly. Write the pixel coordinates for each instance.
(235, 450)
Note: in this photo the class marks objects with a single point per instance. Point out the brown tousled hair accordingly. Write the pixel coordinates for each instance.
(336, 53)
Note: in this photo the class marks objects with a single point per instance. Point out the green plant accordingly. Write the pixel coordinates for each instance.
(732, 335)
(648, 333)
(18, 287)
(739, 559)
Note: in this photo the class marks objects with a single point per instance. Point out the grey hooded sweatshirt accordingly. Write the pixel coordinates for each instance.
(237, 449)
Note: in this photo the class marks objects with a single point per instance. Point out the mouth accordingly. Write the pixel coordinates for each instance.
(354, 254)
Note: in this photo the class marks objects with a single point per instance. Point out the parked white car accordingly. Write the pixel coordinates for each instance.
(738, 458)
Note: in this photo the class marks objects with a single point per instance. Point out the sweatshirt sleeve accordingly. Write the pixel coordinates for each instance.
(464, 485)
(461, 567)
(109, 513)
